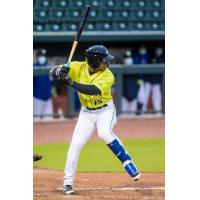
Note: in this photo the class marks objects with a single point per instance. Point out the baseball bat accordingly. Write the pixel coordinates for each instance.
(79, 32)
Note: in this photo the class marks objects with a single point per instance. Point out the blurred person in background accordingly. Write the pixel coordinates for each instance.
(130, 87)
(141, 57)
(42, 103)
(152, 84)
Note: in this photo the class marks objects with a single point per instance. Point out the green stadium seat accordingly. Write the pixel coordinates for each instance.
(41, 14)
(57, 14)
(155, 14)
(93, 14)
(140, 14)
(155, 26)
(125, 4)
(56, 27)
(60, 4)
(95, 3)
(140, 26)
(122, 26)
(90, 27)
(124, 14)
(106, 14)
(110, 3)
(156, 3)
(77, 4)
(141, 4)
(39, 27)
(43, 3)
(75, 13)
(72, 27)
(104, 26)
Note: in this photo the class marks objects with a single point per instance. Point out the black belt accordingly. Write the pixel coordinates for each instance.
(97, 107)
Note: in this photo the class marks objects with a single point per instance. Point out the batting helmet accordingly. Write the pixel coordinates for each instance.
(97, 54)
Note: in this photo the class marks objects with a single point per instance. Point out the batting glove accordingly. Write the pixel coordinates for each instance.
(64, 70)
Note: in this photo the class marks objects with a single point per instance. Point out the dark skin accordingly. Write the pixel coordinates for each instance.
(102, 67)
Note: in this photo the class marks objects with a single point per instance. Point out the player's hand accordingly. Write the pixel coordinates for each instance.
(64, 71)
(59, 72)
(54, 72)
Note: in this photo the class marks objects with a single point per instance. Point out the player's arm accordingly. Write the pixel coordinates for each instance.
(83, 88)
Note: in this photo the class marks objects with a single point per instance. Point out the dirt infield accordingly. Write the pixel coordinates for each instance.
(96, 186)
(61, 132)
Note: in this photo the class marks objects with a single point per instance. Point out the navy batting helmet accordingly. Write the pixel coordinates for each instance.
(97, 54)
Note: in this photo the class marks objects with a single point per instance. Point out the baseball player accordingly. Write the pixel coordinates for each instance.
(93, 81)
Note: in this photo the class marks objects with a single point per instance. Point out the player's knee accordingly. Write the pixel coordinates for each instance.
(106, 136)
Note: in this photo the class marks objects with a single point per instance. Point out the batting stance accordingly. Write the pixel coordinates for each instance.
(93, 80)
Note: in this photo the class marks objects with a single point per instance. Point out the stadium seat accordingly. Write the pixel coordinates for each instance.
(109, 14)
(140, 14)
(75, 14)
(72, 27)
(79, 3)
(155, 14)
(106, 26)
(60, 3)
(43, 3)
(56, 27)
(93, 14)
(41, 14)
(90, 27)
(156, 3)
(39, 27)
(122, 26)
(140, 26)
(110, 3)
(124, 14)
(95, 3)
(155, 26)
(125, 4)
(57, 14)
(141, 3)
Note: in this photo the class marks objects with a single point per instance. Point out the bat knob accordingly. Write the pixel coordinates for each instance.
(67, 64)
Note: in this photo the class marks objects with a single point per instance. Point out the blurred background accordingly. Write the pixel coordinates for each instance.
(132, 30)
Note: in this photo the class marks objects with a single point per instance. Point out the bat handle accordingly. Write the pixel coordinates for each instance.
(75, 43)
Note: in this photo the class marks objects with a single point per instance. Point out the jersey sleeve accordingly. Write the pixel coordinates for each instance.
(105, 83)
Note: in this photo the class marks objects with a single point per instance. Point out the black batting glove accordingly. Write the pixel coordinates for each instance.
(63, 72)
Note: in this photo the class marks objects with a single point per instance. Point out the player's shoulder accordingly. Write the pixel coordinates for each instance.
(108, 73)
(77, 63)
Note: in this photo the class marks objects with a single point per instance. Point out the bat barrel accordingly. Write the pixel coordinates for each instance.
(82, 22)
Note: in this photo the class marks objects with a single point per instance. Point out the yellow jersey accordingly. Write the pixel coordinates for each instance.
(79, 72)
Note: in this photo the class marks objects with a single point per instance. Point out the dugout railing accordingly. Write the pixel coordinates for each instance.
(119, 71)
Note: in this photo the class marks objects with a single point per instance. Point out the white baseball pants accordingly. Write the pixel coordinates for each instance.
(103, 120)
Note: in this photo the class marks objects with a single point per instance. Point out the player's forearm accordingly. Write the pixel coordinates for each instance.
(86, 89)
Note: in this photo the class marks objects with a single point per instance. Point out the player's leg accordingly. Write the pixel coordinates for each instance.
(82, 132)
(37, 108)
(48, 109)
(147, 88)
(125, 104)
(133, 106)
(156, 97)
(105, 122)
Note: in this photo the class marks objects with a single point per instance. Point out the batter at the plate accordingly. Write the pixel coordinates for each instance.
(93, 80)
